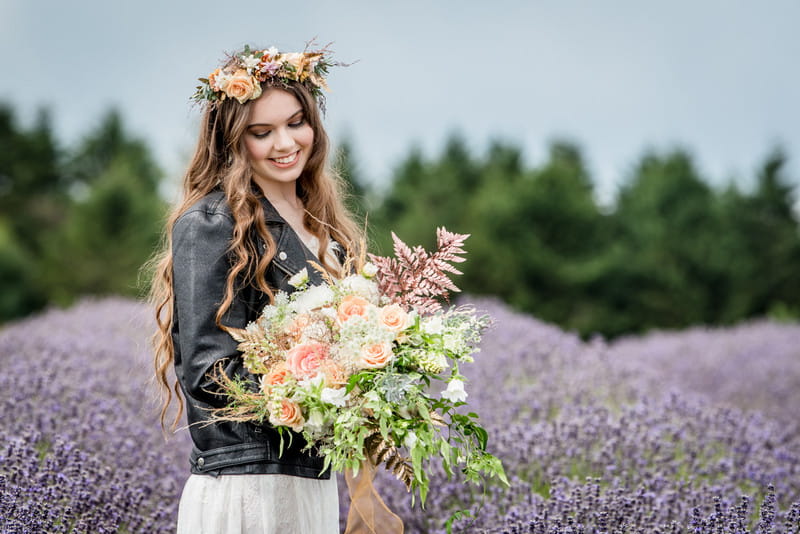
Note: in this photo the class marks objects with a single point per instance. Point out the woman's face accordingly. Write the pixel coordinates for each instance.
(278, 138)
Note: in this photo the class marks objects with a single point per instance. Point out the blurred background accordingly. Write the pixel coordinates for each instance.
(620, 167)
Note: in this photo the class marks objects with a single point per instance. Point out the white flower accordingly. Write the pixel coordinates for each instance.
(328, 312)
(250, 62)
(337, 397)
(315, 422)
(433, 325)
(299, 279)
(358, 285)
(221, 80)
(271, 51)
(369, 270)
(410, 439)
(312, 298)
(312, 382)
(453, 343)
(455, 391)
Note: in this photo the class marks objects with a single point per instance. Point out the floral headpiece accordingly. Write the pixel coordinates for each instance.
(243, 73)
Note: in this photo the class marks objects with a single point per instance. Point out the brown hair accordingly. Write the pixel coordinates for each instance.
(221, 162)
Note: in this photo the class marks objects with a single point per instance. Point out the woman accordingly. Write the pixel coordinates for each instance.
(258, 205)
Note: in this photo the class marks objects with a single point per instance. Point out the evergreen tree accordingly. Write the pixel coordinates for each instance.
(32, 204)
(667, 272)
(763, 244)
(114, 223)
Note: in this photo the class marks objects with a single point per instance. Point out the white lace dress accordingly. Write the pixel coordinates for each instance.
(260, 504)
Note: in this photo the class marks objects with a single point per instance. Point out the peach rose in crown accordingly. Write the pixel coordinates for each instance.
(242, 87)
(304, 360)
(393, 317)
(375, 355)
(287, 414)
(352, 306)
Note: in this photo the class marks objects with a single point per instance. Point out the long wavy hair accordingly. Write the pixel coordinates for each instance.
(220, 162)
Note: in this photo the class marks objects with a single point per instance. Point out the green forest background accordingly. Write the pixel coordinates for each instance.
(671, 251)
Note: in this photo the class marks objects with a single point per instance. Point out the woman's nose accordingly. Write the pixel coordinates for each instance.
(283, 140)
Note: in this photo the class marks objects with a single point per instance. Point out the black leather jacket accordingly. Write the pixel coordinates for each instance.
(200, 239)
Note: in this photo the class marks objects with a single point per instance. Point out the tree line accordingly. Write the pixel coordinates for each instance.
(73, 221)
(670, 252)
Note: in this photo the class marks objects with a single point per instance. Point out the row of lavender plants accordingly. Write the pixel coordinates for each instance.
(82, 449)
(690, 431)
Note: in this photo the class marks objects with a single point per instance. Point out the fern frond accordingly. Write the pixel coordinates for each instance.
(414, 278)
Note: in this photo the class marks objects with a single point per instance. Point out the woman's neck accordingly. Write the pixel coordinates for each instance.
(281, 195)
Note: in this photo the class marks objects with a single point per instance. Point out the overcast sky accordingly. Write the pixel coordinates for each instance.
(719, 77)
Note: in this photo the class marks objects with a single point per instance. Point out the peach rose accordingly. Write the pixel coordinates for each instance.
(242, 87)
(351, 306)
(277, 375)
(375, 356)
(305, 359)
(296, 60)
(393, 317)
(289, 414)
(335, 375)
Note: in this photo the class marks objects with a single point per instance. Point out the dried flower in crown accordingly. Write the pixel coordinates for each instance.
(244, 72)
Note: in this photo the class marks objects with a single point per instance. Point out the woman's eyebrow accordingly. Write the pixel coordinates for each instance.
(293, 115)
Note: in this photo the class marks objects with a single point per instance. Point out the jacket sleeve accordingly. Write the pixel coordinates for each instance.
(200, 256)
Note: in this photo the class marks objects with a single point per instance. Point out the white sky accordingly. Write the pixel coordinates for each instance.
(719, 77)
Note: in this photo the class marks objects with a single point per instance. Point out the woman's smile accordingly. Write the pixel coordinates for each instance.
(285, 161)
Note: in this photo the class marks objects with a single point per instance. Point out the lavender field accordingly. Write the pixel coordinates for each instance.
(694, 431)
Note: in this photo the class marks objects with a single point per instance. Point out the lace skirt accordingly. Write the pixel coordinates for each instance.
(258, 504)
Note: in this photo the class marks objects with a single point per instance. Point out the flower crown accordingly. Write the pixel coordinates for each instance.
(243, 73)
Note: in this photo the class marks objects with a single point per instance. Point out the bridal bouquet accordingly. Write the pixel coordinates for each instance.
(351, 365)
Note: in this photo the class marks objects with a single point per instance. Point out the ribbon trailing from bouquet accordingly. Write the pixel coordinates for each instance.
(368, 513)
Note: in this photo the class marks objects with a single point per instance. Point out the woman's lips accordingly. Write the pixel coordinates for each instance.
(285, 161)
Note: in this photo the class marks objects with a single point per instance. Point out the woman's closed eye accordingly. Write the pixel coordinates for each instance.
(296, 124)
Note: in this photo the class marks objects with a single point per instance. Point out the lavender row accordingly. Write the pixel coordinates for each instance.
(81, 447)
(644, 435)
(673, 432)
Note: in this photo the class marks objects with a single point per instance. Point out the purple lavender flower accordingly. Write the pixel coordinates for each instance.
(691, 431)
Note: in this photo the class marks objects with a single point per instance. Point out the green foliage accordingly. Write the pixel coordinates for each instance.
(73, 222)
(673, 251)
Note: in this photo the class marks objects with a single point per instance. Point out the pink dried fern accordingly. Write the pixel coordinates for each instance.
(416, 279)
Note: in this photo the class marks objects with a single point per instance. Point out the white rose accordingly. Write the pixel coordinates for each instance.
(358, 285)
(455, 391)
(312, 298)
